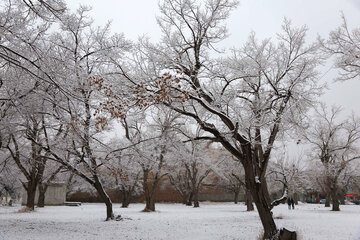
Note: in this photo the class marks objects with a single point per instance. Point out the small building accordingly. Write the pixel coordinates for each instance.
(55, 195)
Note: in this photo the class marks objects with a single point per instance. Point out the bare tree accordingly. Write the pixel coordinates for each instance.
(291, 170)
(344, 44)
(335, 145)
(79, 56)
(179, 179)
(27, 122)
(48, 177)
(151, 139)
(9, 179)
(124, 174)
(233, 178)
(245, 101)
(198, 164)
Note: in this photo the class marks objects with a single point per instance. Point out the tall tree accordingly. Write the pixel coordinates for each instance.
(233, 179)
(245, 101)
(151, 139)
(291, 171)
(198, 162)
(123, 173)
(335, 145)
(79, 57)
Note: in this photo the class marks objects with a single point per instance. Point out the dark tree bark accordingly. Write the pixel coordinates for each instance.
(259, 193)
(126, 193)
(196, 199)
(184, 199)
(105, 197)
(249, 202)
(248, 198)
(335, 200)
(296, 198)
(236, 197)
(150, 204)
(30, 191)
(149, 186)
(190, 199)
(149, 201)
(149, 192)
(42, 191)
(43, 186)
(265, 215)
(126, 198)
(327, 200)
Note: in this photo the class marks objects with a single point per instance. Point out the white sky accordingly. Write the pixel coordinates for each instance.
(137, 17)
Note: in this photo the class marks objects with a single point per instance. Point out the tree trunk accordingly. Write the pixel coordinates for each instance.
(150, 204)
(341, 198)
(41, 199)
(30, 191)
(149, 192)
(125, 204)
(296, 199)
(125, 199)
(335, 200)
(196, 198)
(100, 189)
(249, 202)
(248, 197)
(327, 200)
(265, 215)
(236, 197)
(189, 201)
(258, 189)
(185, 198)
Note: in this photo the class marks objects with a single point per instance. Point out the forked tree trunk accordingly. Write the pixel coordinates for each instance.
(335, 200)
(30, 191)
(327, 200)
(105, 197)
(236, 197)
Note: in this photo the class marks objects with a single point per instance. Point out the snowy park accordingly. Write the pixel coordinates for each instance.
(215, 221)
(180, 119)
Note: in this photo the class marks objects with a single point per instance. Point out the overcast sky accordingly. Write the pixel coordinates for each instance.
(137, 17)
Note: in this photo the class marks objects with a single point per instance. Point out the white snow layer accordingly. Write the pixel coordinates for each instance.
(175, 221)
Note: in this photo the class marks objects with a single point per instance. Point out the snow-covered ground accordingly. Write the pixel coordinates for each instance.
(175, 221)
